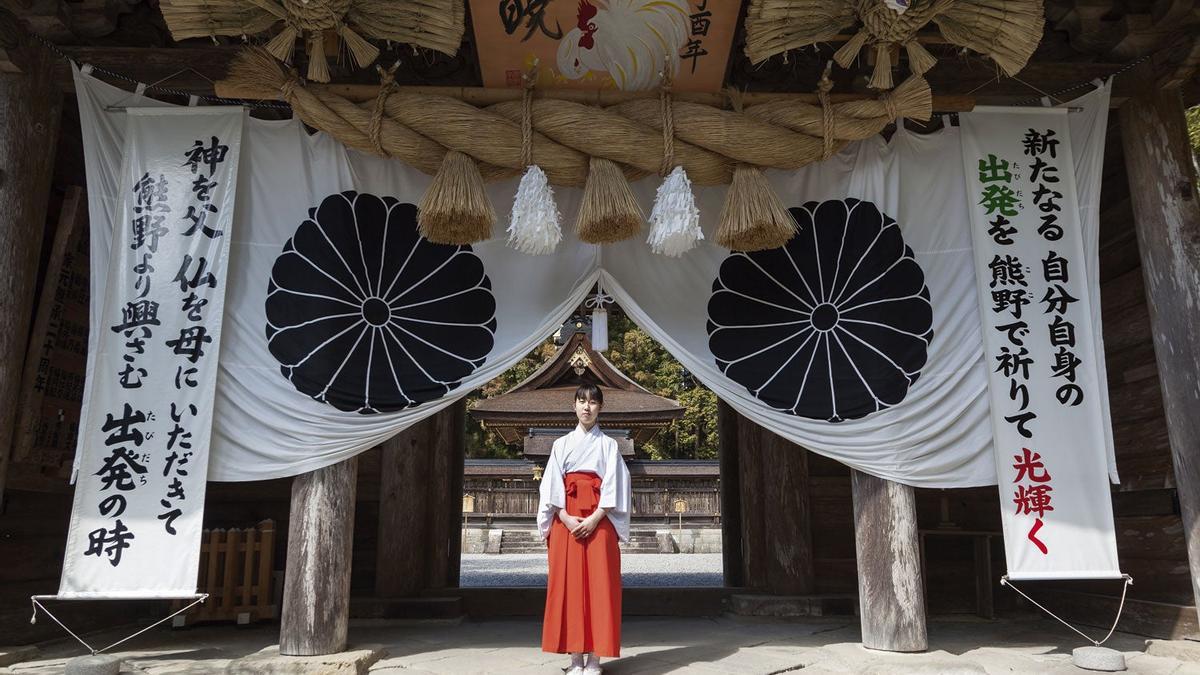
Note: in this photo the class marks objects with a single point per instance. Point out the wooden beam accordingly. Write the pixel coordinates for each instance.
(316, 590)
(484, 96)
(1166, 211)
(891, 599)
(972, 78)
(30, 110)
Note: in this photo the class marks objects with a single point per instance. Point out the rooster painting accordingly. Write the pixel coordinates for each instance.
(630, 40)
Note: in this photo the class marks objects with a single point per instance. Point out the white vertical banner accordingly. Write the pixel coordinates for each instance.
(143, 447)
(1043, 376)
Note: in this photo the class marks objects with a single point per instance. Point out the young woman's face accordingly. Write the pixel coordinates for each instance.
(587, 409)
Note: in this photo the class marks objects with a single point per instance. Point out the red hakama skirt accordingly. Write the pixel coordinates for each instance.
(583, 594)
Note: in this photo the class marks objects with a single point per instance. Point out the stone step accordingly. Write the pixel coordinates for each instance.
(754, 604)
(450, 607)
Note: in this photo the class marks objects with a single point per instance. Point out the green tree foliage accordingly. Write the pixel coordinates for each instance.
(648, 363)
(482, 443)
(644, 361)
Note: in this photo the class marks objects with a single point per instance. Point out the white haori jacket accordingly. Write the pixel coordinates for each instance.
(586, 451)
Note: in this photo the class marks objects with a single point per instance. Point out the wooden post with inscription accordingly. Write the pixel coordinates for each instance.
(30, 109)
(316, 590)
(891, 599)
(1166, 210)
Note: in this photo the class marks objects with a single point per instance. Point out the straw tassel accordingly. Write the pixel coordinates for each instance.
(919, 58)
(846, 54)
(282, 45)
(364, 52)
(674, 220)
(881, 78)
(456, 209)
(608, 211)
(535, 225)
(318, 68)
(753, 218)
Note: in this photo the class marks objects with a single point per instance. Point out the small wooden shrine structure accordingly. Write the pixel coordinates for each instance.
(538, 410)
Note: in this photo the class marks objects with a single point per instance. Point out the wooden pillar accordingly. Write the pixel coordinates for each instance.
(731, 498)
(445, 482)
(316, 590)
(891, 600)
(775, 519)
(420, 505)
(30, 110)
(1166, 209)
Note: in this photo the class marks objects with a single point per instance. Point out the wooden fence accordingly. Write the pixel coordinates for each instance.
(235, 570)
(648, 502)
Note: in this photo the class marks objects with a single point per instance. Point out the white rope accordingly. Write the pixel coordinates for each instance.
(599, 299)
(36, 604)
(1004, 581)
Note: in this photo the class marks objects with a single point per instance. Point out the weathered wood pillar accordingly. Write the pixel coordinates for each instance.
(776, 521)
(316, 588)
(30, 110)
(420, 505)
(891, 600)
(1166, 210)
(731, 498)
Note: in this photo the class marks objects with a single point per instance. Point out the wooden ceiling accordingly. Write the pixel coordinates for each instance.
(1084, 39)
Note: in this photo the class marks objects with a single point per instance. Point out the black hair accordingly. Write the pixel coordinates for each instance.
(589, 392)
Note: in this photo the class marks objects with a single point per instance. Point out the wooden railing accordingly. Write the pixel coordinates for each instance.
(498, 502)
(235, 570)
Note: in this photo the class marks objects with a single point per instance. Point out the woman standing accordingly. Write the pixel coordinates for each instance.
(584, 510)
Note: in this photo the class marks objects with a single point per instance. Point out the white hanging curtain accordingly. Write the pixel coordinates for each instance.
(891, 379)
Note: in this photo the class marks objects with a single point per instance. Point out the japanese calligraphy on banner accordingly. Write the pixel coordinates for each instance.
(144, 441)
(1048, 417)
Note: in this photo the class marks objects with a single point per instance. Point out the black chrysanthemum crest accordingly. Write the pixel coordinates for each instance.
(835, 325)
(366, 315)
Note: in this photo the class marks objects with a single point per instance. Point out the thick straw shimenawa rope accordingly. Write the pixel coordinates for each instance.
(707, 141)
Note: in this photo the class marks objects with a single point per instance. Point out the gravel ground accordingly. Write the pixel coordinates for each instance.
(637, 569)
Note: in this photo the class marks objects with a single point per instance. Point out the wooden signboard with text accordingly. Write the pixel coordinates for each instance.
(604, 44)
(56, 360)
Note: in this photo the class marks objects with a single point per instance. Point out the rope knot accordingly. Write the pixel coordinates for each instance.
(824, 86)
(387, 85)
(889, 107)
(288, 88)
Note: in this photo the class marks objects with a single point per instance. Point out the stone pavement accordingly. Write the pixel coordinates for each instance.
(652, 646)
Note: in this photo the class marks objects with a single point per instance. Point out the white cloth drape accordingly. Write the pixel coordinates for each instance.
(937, 435)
